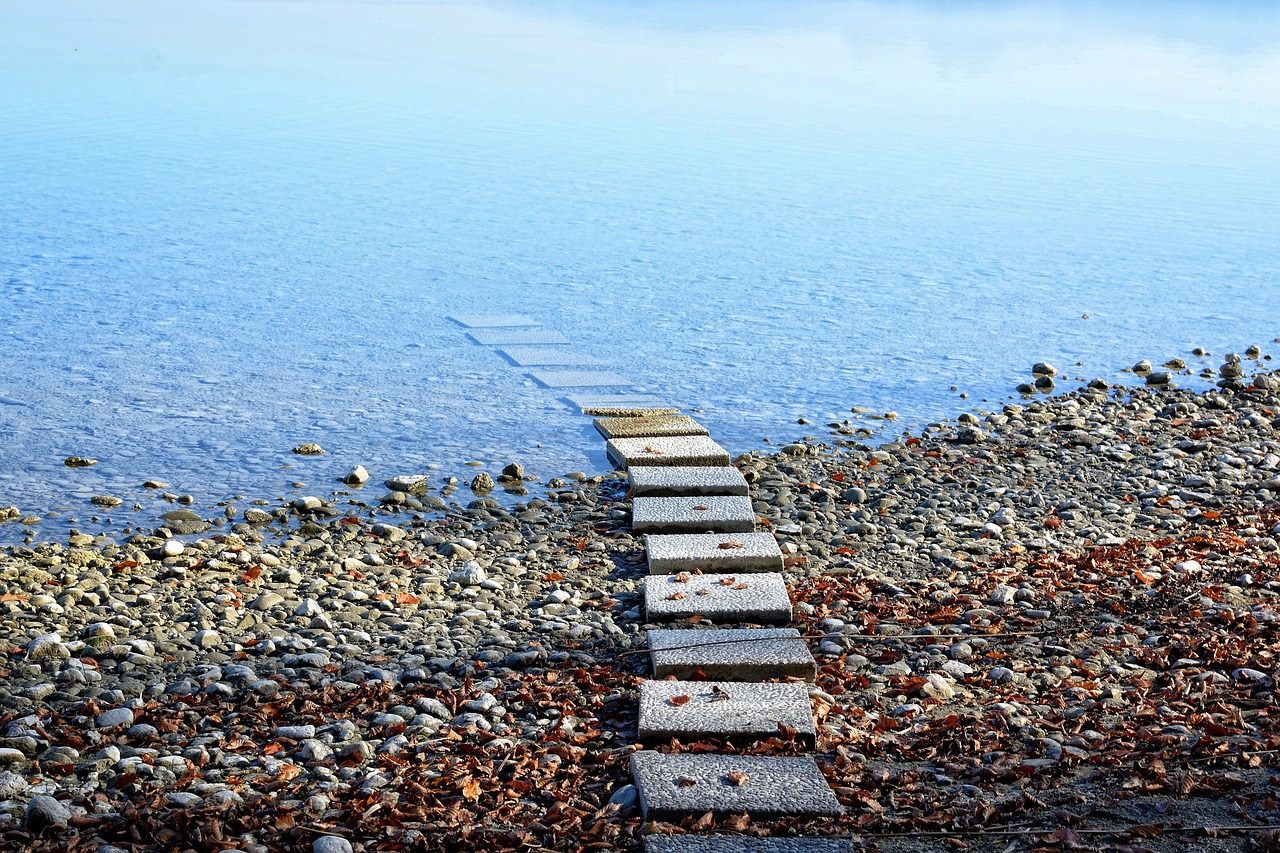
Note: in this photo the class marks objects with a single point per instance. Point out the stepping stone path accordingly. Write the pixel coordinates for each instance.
(697, 511)
(697, 514)
(663, 481)
(713, 552)
(750, 598)
(578, 378)
(666, 450)
(649, 427)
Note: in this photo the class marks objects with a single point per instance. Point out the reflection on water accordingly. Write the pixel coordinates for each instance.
(230, 227)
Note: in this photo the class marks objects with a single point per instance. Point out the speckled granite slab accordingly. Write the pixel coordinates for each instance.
(730, 654)
(673, 786)
(693, 709)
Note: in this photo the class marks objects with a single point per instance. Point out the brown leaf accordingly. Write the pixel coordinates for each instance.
(648, 449)
(737, 778)
(470, 789)
(729, 581)
(702, 508)
(739, 586)
(786, 732)
(704, 823)
(685, 782)
(675, 596)
(682, 577)
(728, 545)
(677, 701)
(736, 822)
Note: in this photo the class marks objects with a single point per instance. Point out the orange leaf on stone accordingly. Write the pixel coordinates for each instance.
(737, 778)
(677, 701)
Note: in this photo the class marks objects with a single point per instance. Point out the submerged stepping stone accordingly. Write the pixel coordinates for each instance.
(549, 357)
(682, 450)
(649, 427)
(673, 786)
(486, 321)
(712, 552)
(659, 481)
(659, 843)
(690, 710)
(721, 598)
(698, 514)
(502, 337)
(730, 654)
(578, 378)
(620, 405)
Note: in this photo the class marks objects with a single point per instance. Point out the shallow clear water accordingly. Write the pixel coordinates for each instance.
(230, 227)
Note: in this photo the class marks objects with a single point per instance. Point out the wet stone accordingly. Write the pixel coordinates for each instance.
(655, 481)
(549, 357)
(487, 321)
(502, 337)
(649, 426)
(694, 709)
(731, 654)
(673, 786)
(713, 552)
(701, 514)
(658, 843)
(666, 450)
(578, 378)
(758, 597)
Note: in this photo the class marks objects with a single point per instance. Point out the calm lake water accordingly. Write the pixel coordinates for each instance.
(227, 228)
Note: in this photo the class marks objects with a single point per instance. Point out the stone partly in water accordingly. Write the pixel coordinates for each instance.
(308, 449)
(107, 501)
(482, 483)
(357, 476)
(79, 462)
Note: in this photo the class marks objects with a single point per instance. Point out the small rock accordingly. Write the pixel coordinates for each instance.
(482, 483)
(47, 646)
(1043, 368)
(115, 718)
(44, 812)
(308, 449)
(78, 462)
(172, 548)
(470, 574)
(206, 639)
(357, 476)
(513, 473)
(331, 844)
(105, 501)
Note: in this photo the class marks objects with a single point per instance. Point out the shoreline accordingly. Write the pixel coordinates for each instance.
(342, 649)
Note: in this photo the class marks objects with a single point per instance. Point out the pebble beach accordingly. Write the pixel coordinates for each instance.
(1048, 626)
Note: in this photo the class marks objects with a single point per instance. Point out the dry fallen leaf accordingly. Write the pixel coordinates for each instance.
(702, 508)
(675, 596)
(719, 694)
(648, 449)
(786, 732)
(729, 581)
(677, 701)
(683, 577)
(685, 782)
(704, 591)
(728, 545)
(470, 789)
(739, 586)
(737, 778)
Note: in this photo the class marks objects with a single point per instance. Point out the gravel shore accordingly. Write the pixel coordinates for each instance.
(1059, 616)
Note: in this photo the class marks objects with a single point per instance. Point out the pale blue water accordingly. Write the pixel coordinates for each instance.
(230, 227)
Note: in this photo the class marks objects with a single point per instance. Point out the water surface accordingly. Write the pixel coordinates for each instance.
(229, 227)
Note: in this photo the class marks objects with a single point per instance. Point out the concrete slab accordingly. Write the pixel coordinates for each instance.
(659, 843)
(549, 357)
(502, 337)
(724, 599)
(649, 426)
(659, 481)
(698, 514)
(682, 450)
(578, 378)
(690, 710)
(730, 654)
(487, 321)
(713, 552)
(621, 406)
(673, 786)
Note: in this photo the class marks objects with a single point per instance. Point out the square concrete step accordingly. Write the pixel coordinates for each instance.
(491, 321)
(549, 357)
(649, 427)
(659, 843)
(658, 481)
(730, 654)
(674, 786)
(621, 405)
(578, 378)
(703, 514)
(690, 710)
(712, 552)
(666, 450)
(724, 599)
(502, 337)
